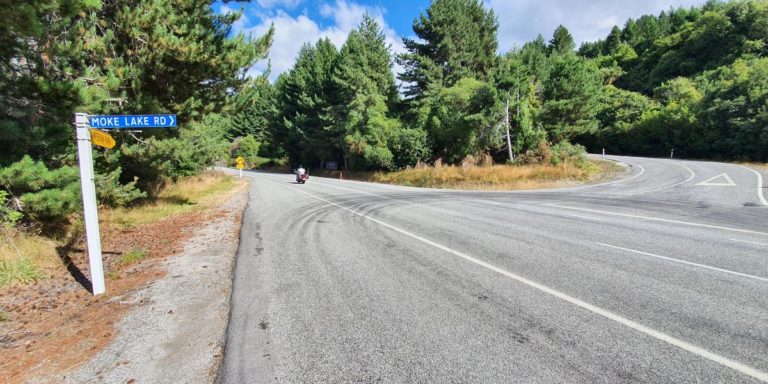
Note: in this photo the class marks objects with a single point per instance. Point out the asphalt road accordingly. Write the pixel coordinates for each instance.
(658, 277)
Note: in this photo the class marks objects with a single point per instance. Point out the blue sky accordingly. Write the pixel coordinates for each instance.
(305, 21)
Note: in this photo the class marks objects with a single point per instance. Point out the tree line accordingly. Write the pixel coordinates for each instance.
(688, 79)
(693, 80)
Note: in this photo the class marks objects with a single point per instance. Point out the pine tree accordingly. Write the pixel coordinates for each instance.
(37, 92)
(570, 97)
(306, 96)
(160, 56)
(366, 86)
(456, 39)
(613, 41)
(562, 41)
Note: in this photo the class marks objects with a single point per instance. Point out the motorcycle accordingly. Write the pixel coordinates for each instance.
(301, 179)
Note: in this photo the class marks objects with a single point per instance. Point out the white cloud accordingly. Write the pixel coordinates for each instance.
(347, 16)
(587, 20)
(291, 33)
(290, 4)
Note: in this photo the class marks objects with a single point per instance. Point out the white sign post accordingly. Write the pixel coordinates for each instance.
(83, 122)
(89, 202)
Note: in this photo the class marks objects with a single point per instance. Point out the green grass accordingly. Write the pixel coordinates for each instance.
(4, 317)
(132, 257)
(18, 271)
(112, 275)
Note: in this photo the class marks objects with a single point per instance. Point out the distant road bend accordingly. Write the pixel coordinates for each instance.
(659, 277)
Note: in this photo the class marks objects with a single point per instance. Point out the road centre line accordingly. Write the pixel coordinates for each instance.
(735, 365)
(688, 223)
(748, 242)
(759, 185)
(685, 262)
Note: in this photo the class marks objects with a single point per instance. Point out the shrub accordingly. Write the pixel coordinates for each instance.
(409, 146)
(248, 148)
(45, 195)
(567, 153)
(541, 155)
(9, 217)
(151, 162)
(112, 193)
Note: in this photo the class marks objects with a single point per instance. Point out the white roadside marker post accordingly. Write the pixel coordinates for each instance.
(603, 154)
(90, 213)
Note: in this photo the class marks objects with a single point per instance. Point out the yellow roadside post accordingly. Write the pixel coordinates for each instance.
(240, 165)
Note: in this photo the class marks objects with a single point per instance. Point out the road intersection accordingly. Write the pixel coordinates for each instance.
(660, 276)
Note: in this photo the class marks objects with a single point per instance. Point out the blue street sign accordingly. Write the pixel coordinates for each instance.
(132, 121)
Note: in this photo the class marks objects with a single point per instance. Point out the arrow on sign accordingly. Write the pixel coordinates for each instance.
(132, 121)
(727, 181)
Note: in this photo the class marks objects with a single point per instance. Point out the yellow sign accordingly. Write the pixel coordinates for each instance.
(102, 139)
(240, 162)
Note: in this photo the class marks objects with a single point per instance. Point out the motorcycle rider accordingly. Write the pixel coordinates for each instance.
(300, 171)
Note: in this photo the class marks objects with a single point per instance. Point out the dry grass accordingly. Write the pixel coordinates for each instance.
(497, 177)
(763, 166)
(193, 194)
(25, 257)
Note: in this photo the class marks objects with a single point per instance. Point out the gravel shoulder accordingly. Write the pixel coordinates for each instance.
(175, 331)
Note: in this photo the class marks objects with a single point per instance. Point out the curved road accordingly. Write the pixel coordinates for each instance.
(658, 277)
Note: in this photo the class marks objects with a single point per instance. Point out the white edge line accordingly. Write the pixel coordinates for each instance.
(748, 242)
(642, 171)
(685, 262)
(658, 219)
(669, 186)
(735, 365)
(759, 185)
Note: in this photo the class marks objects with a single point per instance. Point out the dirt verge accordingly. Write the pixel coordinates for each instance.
(166, 311)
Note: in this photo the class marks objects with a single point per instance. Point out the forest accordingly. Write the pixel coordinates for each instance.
(693, 80)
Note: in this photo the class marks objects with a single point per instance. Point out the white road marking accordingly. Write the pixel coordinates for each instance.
(748, 242)
(692, 175)
(688, 223)
(759, 185)
(352, 190)
(503, 205)
(686, 262)
(727, 183)
(642, 171)
(735, 365)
